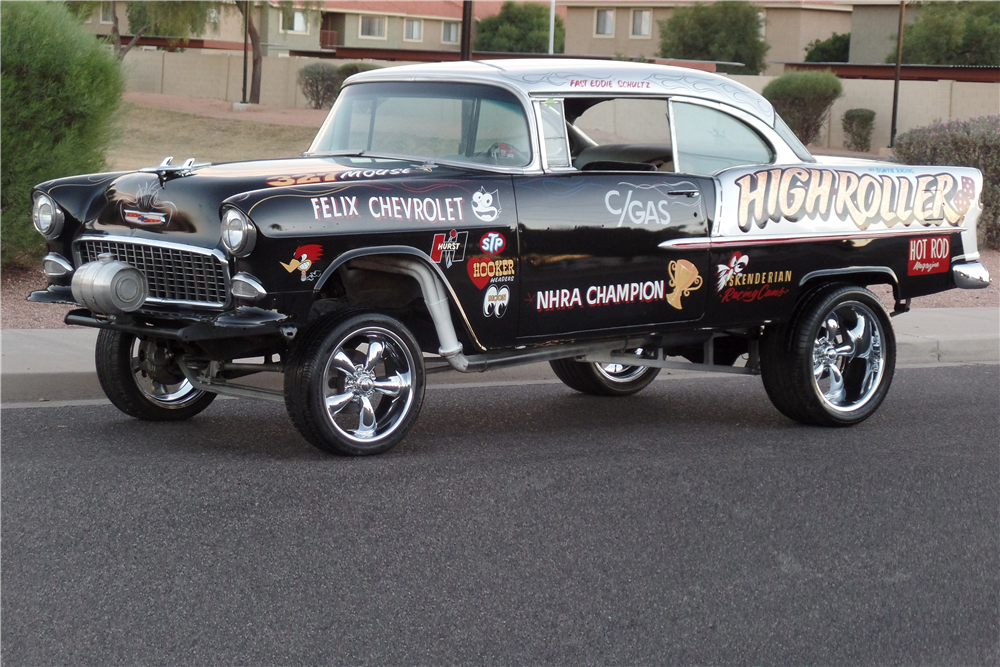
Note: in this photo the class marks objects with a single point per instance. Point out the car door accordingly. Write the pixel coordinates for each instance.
(590, 245)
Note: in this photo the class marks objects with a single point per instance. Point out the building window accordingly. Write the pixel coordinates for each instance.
(414, 31)
(605, 26)
(106, 12)
(449, 33)
(294, 21)
(641, 22)
(373, 27)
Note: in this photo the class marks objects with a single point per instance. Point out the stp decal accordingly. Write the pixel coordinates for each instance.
(305, 257)
(929, 255)
(486, 205)
(450, 247)
(795, 193)
(492, 243)
(496, 300)
(484, 271)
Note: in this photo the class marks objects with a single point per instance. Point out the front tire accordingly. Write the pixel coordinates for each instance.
(601, 379)
(355, 384)
(834, 364)
(141, 378)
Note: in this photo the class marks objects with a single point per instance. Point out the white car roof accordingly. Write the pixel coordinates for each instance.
(538, 76)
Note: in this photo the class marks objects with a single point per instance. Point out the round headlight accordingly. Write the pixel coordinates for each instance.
(46, 215)
(238, 233)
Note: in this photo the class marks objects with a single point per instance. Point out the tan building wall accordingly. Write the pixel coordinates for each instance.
(874, 28)
(787, 30)
(790, 31)
(219, 76)
(921, 103)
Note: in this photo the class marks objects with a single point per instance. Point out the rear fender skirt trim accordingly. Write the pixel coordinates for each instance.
(848, 271)
(775, 239)
(420, 256)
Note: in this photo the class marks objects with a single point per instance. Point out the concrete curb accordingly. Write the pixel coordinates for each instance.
(58, 364)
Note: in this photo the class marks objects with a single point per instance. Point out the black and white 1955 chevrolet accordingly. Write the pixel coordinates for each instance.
(612, 219)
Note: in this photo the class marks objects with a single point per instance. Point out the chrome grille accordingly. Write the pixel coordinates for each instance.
(173, 274)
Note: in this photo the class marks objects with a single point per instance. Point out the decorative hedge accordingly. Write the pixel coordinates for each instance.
(962, 143)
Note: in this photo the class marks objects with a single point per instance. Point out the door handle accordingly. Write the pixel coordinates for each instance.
(689, 193)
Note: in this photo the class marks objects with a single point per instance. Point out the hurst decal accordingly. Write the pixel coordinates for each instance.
(484, 271)
(735, 283)
(428, 209)
(334, 207)
(449, 248)
(797, 193)
(929, 255)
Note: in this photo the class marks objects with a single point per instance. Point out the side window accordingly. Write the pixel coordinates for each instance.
(709, 140)
(623, 134)
(502, 134)
(554, 133)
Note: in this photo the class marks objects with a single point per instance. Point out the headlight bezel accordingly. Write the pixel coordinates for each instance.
(234, 222)
(55, 215)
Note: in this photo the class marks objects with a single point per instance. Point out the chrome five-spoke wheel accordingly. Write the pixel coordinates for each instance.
(356, 384)
(833, 365)
(141, 378)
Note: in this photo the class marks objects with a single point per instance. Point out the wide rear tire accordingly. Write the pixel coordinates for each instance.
(833, 365)
(604, 379)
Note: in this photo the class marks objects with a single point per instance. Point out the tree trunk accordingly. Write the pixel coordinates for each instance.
(116, 36)
(258, 56)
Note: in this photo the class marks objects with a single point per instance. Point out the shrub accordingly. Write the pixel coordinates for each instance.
(319, 84)
(962, 143)
(858, 125)
(60, 90)
(803, 100)
(836, 49)
(350, 69)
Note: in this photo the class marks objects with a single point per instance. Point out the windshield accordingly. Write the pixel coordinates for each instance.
(433, 121)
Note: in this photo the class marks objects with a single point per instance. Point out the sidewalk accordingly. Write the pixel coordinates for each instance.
(58, 364)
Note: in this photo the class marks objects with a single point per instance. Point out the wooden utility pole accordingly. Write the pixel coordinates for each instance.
(899, 63)
(466, 30)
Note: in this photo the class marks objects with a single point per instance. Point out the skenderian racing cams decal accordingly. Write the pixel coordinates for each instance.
(796, 193)
(305, 258)
(734, 283)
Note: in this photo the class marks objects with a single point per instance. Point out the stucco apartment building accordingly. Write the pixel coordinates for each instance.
(425, 25)
(632, 29)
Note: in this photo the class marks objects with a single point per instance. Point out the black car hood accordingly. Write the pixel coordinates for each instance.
(151, 203)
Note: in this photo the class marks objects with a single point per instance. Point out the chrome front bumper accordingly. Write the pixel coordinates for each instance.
(972, 275)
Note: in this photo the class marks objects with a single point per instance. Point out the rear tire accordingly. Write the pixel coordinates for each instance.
(141, 378)
(604, 379)
(834, 364)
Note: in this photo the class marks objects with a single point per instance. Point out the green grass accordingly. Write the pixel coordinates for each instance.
(147, 135)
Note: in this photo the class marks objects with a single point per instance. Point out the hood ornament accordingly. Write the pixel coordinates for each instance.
(167, 171)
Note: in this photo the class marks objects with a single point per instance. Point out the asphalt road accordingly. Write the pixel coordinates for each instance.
(515, 525)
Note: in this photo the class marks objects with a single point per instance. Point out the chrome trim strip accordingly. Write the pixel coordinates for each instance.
(243, 277)
(61, 262)
(971, 276)
(968, 257)
(849, 270)
(221, 256)
(806, 237)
